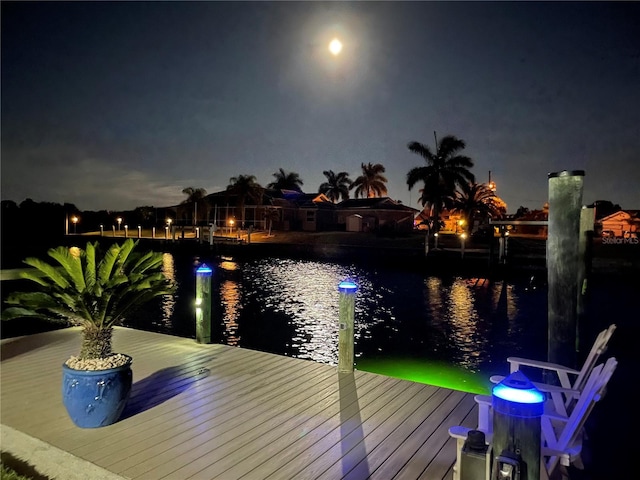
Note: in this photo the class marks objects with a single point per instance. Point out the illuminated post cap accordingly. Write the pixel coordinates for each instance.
(204, 270)
(347, 286)
(517, 396)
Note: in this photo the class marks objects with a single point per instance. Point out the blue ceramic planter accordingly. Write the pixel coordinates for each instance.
(96, 398)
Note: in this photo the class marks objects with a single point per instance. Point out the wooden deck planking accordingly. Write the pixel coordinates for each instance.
(214, 411)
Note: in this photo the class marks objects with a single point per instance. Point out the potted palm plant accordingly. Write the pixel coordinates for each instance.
(94, 289)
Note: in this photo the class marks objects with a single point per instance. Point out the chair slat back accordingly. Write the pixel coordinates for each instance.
(592, 393)
(597, 349)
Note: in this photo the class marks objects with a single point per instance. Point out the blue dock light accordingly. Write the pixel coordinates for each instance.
(347, 286)
(204, 270)
(517, 408)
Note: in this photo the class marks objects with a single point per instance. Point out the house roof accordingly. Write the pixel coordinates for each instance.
(622, 214)
(378, 203)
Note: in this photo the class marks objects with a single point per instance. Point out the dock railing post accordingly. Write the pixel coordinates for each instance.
(203, 303)
(347, 291)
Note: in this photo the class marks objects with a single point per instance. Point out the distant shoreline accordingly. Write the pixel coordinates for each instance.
(526, 254)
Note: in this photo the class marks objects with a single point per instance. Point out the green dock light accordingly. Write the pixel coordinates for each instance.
(347, 291)
(203, 303)
(517, 408)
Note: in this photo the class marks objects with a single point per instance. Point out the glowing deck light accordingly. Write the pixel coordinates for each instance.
(347, 286)
(516, 396)
(511, 394)
(204, 270)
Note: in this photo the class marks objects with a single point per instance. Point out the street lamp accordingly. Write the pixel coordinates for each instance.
(231, 222)
(74, 220)
(119, 220)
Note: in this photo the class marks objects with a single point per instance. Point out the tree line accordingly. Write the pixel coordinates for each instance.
(446, 179)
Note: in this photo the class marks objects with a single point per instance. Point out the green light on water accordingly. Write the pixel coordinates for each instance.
(439, 374)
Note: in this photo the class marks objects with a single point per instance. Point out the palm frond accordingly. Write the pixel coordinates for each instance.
(51, 275)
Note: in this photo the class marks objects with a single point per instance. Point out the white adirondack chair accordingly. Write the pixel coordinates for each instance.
(572, 381)
(561, 435)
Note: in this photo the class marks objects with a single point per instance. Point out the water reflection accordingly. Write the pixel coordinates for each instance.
(291, 307)
(168, 302)
(230, 300)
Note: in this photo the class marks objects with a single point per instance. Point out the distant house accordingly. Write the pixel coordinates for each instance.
(620, 222)
(297, 211)
(308, 212)
(373, 214)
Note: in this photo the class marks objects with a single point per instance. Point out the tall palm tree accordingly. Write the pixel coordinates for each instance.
(371, 183)
(195, 196)
(337, 186)
(286, 181)
(445, 170)
(245, 188)
(474, 201)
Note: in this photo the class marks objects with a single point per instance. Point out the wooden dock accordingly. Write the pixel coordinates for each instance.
(219, 412)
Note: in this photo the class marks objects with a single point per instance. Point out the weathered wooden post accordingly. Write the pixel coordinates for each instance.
(347, 291)
(587, 222)
(153, 232)
(203, 304)
(565, 203)
(114, 230)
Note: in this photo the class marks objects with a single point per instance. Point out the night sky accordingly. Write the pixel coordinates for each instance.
(114, 105)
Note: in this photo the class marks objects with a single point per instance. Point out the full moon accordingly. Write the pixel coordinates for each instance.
(335, 47)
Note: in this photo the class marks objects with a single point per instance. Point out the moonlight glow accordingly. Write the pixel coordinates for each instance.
(335, 47)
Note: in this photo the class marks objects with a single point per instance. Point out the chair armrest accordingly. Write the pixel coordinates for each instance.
(543, 387)
(516, 362)
(459, 432)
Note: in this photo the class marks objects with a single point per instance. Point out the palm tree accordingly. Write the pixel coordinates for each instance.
(195, 196)
(272, 215)
(445, 170)
(371, 183)
(286, 181)
(474, 201)
(245, 188)
(337, 186)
